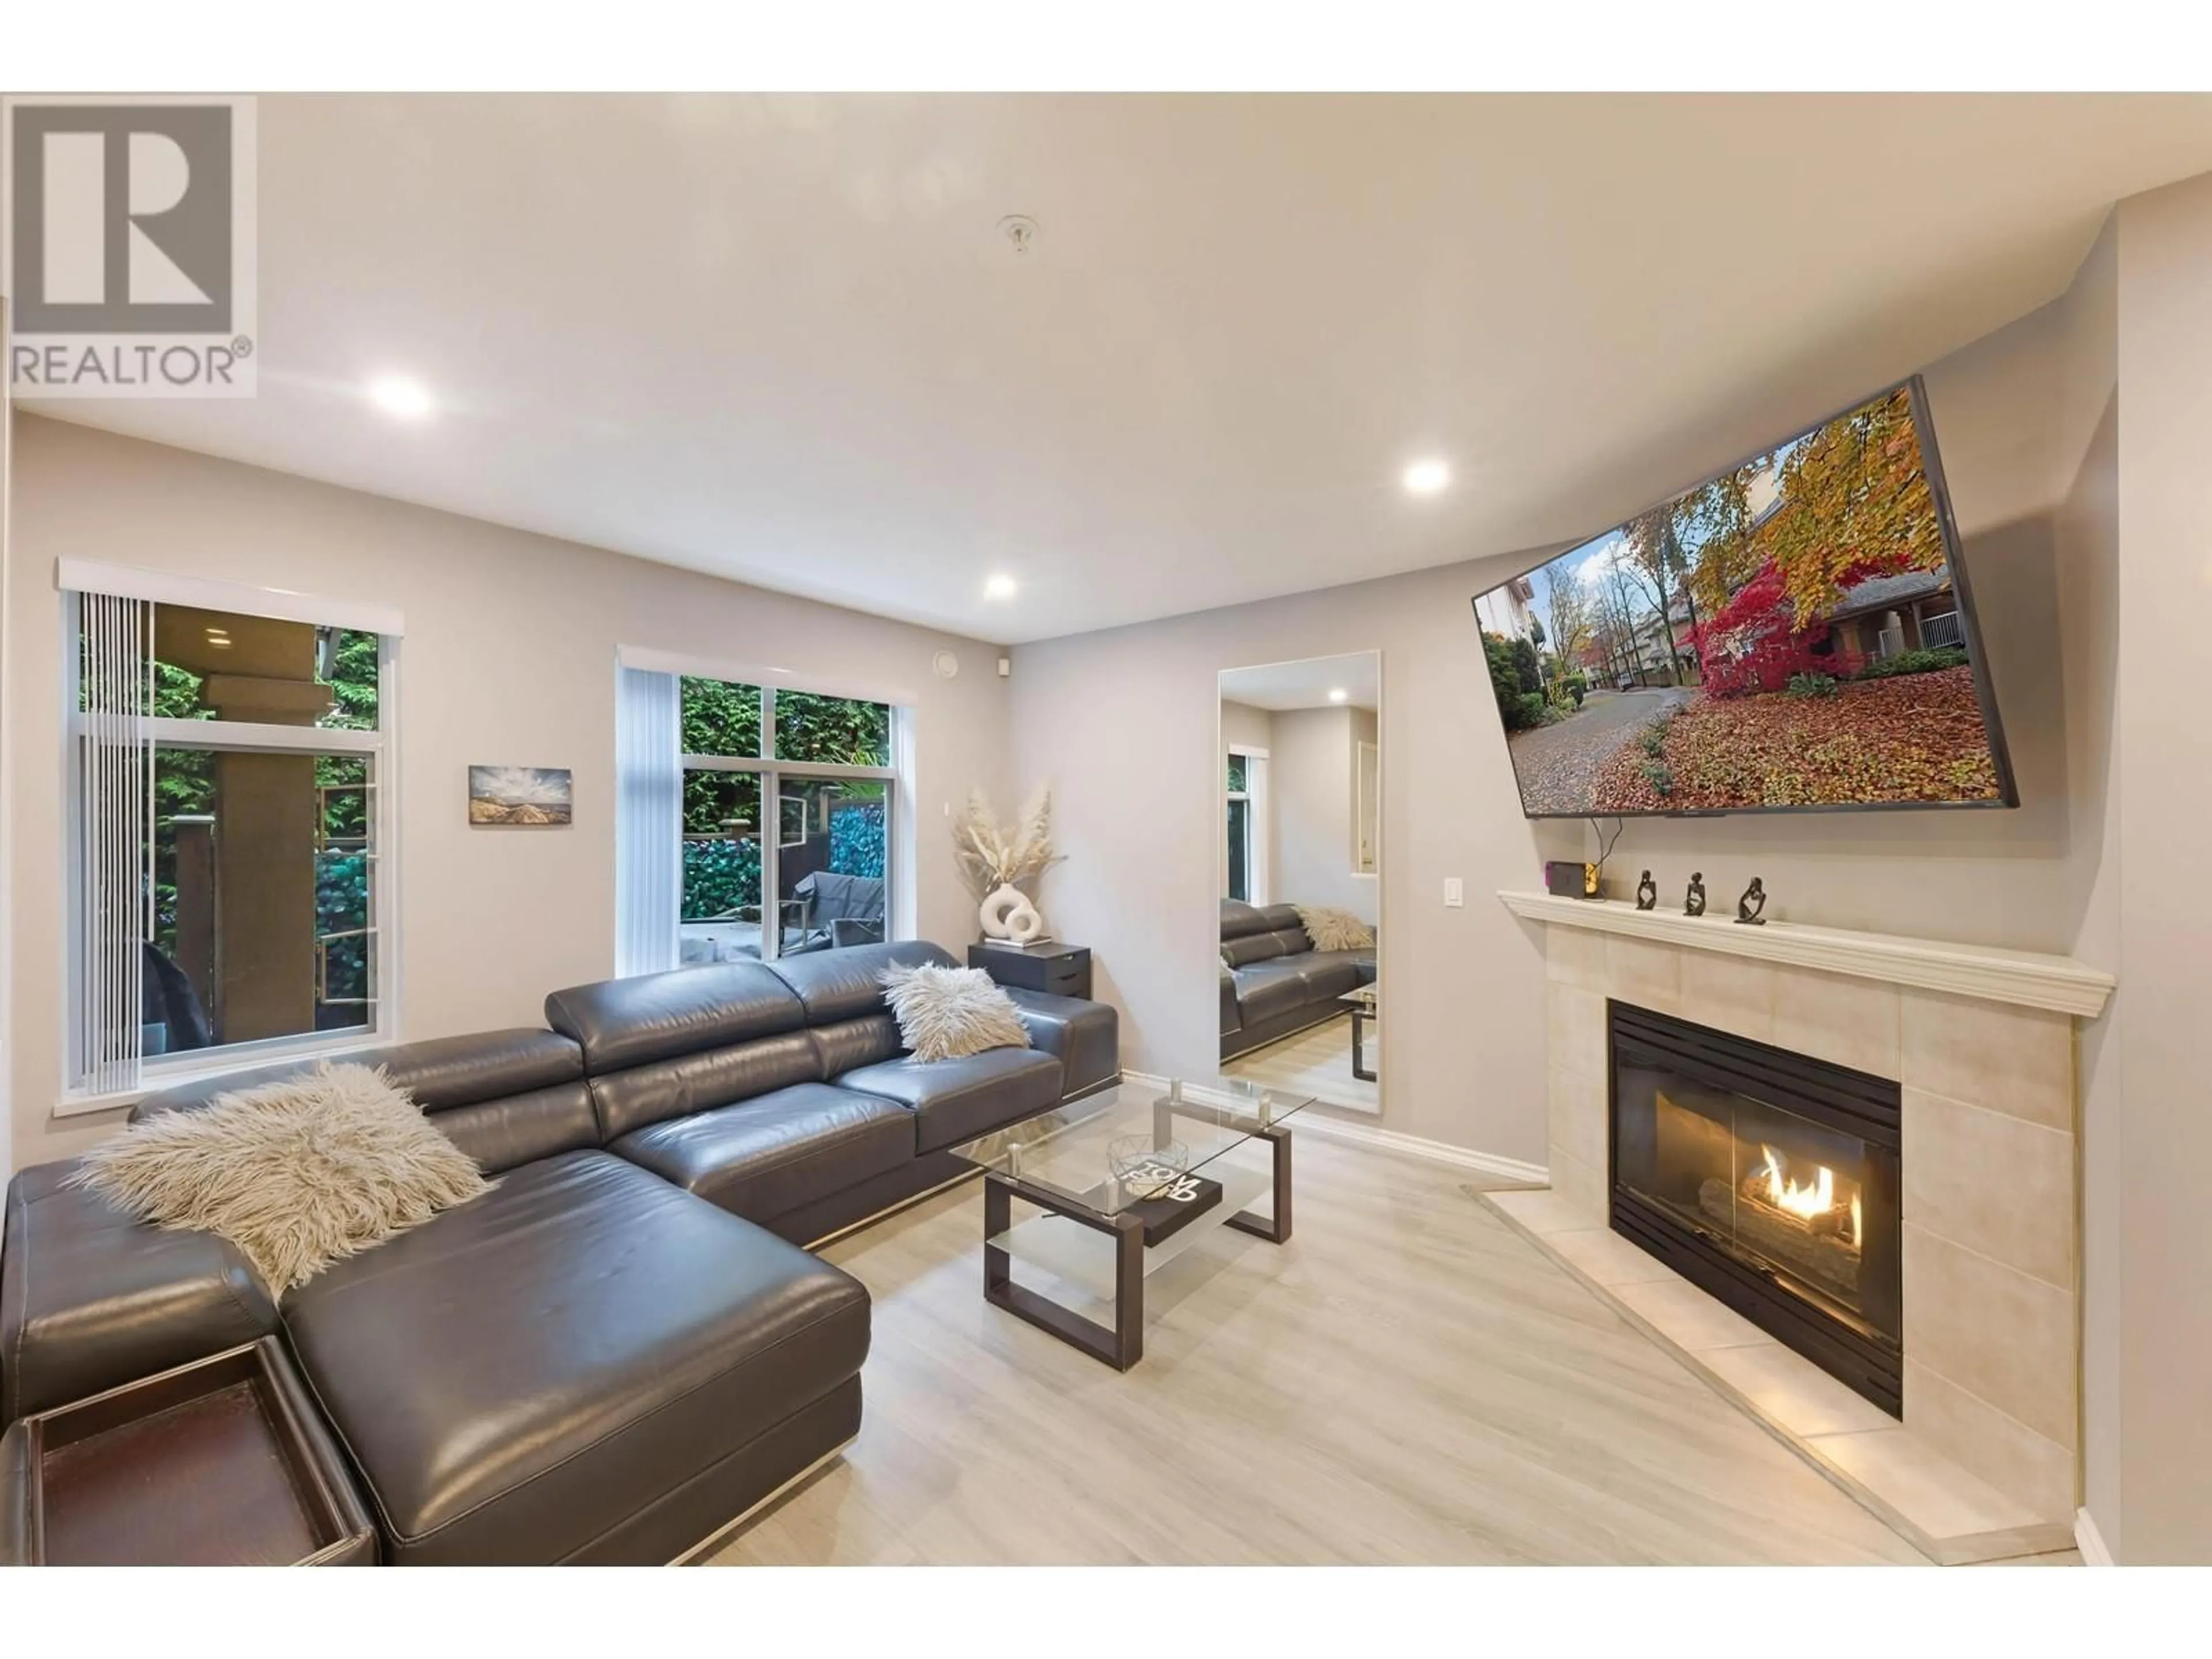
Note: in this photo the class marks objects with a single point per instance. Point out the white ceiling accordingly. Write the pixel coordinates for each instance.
(780, 339)
(1306, 683)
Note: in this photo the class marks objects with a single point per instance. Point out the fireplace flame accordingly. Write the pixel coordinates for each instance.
(1810, 1199)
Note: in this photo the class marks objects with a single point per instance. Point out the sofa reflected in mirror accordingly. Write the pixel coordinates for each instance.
(1275, 981)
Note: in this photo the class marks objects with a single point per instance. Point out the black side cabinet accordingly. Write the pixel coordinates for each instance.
(1063, 971)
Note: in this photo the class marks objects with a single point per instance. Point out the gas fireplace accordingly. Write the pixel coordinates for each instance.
(1769, 1179)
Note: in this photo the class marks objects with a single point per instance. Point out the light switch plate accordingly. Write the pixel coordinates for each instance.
(1454, 893)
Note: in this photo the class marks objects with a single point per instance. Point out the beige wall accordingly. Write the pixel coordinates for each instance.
(1241, 723)
(1315, 768)
(2163, 1469)
(509, 657)
(2087, 534)
(1465, 1044)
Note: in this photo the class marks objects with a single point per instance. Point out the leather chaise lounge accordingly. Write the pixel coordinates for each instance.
(621, 1347)
(1273, 982)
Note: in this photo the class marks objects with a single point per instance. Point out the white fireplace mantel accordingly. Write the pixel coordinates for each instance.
(2025, 978)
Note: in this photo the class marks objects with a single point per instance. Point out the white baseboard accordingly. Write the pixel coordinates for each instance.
(2090, 1541)
(1380, 1140)
(1430, 1151)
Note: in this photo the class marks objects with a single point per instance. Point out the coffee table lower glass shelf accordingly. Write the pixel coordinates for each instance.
(1123, 1182)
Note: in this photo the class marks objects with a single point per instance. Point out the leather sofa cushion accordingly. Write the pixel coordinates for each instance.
(1241, 920)
(446, 1072)
(621, 1023)
(846, 984)
(528, 1370)
(503, 1097)
(440, 1074)
(1232, 1018)
(862, 1042)
(1084, 1036)
(1326, 975)
(1361, 962)
(1238, 919)
(1268, 990)
(956, 1100)
(1261, 947)
(1253, 947)
(498, 1134)
(629, 1100)
(762, 1156)
(91, 1300)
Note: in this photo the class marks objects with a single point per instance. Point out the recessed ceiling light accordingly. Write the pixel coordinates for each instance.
(396, 395)
(1338, 694)
(1426, 478)
(998, 587)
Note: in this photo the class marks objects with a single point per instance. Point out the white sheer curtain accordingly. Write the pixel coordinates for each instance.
(648, 821)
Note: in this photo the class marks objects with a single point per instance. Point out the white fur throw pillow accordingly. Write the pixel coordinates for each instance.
(297, 1174)
(1331, 929)
(944, 1012)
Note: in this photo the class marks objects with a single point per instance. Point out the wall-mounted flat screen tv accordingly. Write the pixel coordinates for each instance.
(1793, 634)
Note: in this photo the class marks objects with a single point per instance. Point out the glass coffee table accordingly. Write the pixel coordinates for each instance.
(1123, 1182)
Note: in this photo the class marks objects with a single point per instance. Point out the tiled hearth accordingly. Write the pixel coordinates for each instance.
(1989, 1205)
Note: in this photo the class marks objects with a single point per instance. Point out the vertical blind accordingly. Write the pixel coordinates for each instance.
(648, 820)
(115, 809)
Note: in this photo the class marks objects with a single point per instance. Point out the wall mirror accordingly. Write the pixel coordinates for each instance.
(1299, 828)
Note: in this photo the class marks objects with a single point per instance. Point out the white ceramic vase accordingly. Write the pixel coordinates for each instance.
(1008, 914)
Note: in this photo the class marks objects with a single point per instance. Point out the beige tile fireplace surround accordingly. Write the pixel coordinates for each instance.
(1985, 1462)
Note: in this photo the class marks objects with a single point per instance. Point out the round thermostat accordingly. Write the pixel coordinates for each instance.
(946, 664)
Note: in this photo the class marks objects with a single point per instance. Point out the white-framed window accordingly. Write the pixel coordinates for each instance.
(755, 820)
(231, 824)
(1244, 866)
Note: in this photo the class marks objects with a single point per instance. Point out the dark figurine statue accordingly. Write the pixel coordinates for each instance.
(1752, 901)
(1695, 904)
(1647, 892)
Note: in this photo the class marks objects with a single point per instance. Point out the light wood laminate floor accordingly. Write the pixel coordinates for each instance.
(1406, 1381)
(1317, 1062)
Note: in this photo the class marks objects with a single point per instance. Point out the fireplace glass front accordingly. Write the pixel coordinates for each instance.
(1771, 1180)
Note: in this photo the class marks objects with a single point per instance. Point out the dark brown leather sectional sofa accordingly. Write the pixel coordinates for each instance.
(621, 1347)
(1273, 982)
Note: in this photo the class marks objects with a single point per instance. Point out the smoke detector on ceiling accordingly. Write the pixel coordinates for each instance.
(1020, 232)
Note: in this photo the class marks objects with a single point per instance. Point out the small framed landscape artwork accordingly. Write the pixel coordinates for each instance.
(519, 794)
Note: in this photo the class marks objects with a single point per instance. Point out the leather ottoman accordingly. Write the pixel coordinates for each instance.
(586, 1364)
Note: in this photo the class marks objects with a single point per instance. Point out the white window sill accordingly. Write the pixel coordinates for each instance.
(219, 1062)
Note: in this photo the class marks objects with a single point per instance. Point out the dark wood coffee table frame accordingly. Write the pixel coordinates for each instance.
(1364, 1014)
(1360, 1068)
(1120, 1344)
